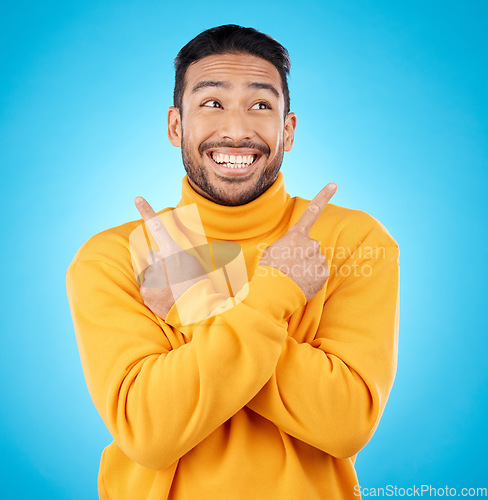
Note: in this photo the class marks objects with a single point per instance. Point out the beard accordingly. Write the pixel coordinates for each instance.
(225, 194)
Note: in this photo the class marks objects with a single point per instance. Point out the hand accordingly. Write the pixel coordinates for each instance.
(296, 254)
(172, 270)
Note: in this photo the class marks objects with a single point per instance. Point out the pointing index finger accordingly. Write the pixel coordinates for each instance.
(165, 242)
(316, 207)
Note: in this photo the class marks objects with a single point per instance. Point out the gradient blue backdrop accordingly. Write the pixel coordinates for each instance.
(392, 106)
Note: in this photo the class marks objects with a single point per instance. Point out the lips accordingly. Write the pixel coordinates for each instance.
(233, 161)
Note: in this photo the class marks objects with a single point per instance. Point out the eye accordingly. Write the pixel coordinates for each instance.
(262, 103)
(205, 104)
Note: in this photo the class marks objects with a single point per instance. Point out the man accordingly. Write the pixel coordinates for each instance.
(267, 392)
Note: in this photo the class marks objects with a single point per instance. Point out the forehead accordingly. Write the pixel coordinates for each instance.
(238, 68)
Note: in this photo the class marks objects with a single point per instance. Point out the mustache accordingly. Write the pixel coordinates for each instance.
(244, 144)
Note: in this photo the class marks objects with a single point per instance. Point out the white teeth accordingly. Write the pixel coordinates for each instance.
(233, 165)
(233, 161)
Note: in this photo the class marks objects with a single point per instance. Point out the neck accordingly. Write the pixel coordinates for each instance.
(258, 217)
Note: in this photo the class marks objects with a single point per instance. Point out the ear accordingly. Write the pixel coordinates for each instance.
(174, 126)
(289, 132)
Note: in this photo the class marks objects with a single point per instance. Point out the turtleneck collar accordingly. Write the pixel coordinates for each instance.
(256, 218)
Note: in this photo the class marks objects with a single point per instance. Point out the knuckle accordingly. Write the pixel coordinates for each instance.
(154, 223)
(313, 208)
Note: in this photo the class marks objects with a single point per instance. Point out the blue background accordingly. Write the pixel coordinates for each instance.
(392, 106)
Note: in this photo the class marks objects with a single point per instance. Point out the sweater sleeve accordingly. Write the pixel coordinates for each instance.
(331, 392)
(159, 396)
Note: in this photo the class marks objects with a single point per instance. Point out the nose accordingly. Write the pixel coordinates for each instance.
(235, 126)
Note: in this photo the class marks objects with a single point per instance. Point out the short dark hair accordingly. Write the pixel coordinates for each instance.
(233, 39)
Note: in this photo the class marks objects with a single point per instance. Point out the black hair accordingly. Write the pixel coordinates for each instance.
(233, 39)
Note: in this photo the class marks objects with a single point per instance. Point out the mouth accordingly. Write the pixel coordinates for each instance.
(235, 162)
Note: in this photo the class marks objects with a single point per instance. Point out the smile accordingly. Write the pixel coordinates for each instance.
(233, 161)
(234, 164)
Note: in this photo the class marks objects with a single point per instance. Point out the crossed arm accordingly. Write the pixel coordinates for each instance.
(160, 396)
(331, 392)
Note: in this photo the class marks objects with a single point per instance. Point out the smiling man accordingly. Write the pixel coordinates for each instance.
(208, 122)
(266, 390)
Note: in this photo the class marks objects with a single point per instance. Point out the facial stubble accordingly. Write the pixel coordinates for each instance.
(196, 172)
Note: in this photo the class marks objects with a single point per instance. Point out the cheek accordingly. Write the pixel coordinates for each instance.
(202, 127)
(272, 133)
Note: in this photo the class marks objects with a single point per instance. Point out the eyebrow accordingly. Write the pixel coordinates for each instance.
(226, 85)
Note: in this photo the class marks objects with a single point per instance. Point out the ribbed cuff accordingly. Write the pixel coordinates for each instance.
(270, 291)
(197, 303)
(274, 293)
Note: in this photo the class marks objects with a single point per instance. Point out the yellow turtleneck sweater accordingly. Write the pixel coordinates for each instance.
(271, 399)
